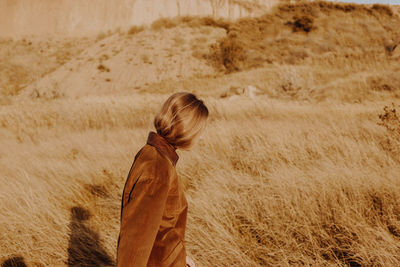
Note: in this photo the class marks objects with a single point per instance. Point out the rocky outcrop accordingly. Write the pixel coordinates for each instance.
(77, 17)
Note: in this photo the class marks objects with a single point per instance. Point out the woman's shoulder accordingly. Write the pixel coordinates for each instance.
(150, 154)
(153, 163)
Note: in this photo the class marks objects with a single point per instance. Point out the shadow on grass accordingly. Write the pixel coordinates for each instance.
(84, 247)
(16, 261)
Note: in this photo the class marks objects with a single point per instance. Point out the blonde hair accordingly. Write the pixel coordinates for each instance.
(182, 117)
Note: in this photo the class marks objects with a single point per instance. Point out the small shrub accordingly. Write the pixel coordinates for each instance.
(190, 21)
(232, 53)
(205, 21)
(103, 68)
(347, 7)
(379, 84)
(389, 82)
(303, 23)
(233, 90)
(164, 23)
(145, 59)
(101, 36)
(383, 9)
(290, 89)
(104, 57)
(135, 29)
(14, 261)
(213, 56)
(219, 23)
(390, 120)
(47, 95)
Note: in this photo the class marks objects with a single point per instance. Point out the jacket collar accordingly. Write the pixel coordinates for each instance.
(163, 146)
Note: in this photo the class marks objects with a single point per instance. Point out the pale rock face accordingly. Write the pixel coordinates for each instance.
(251, 91)
(234, 92)
(78, 17)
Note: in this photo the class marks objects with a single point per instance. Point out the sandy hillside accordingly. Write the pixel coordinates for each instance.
(299, 164)
(76, 18)
(128, 61)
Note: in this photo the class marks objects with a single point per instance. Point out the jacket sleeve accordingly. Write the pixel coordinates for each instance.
(140, 221)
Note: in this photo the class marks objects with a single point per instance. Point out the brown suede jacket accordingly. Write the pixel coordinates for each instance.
(153, 209)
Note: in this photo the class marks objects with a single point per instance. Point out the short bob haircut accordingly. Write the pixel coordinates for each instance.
(182, 117)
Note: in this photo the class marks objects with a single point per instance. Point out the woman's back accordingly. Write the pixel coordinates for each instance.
(154, 207)
(153, 210)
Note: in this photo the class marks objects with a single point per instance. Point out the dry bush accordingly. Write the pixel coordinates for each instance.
(101, 36)
(303, 23)
(294, 83)
(135, 29)
(101, 67)
(14, 261)
(335, 30)
(48, 95)
(164, 23)
(209, 21)
(212, 56)
(388, 82)
(232, 53)
(191, 21)
(379, 84)
(390, 120)
(200, 47)
(382, 9)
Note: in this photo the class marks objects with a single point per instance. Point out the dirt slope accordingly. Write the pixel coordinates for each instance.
(308, 51)
(122, 62)
(80, 18)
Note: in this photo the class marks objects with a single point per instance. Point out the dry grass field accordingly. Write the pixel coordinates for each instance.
(304, 171)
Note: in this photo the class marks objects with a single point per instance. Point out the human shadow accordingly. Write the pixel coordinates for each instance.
(84, 247)
(16, 261)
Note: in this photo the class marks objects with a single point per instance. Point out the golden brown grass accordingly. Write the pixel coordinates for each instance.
(310, 34)
(189, 21)
(297, 183)
(306, 173)
(27, 60)
(135, 29)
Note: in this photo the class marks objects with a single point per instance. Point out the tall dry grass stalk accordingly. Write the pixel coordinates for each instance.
(273, 182)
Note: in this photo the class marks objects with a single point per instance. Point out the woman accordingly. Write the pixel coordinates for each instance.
(154, 207)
